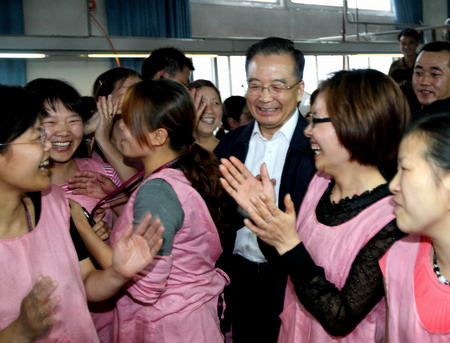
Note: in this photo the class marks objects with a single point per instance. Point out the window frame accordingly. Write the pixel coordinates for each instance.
(290, 4)
(245, 3)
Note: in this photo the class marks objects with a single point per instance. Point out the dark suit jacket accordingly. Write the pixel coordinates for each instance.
(298, 167)
(439, 106)
(297, 172)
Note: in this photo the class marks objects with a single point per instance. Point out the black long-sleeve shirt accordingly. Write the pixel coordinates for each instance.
(341, 310)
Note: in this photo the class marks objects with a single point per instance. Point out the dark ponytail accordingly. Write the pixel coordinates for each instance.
(201, 168)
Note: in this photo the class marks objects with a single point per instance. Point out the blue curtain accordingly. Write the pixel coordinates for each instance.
(144, 18)
(12, 72)
(408, 11)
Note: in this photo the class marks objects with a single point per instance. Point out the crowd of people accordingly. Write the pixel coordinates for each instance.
(156, 212)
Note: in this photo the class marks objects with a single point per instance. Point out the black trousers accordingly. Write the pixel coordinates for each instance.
(255, 300)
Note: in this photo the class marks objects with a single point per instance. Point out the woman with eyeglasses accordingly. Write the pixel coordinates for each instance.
(63, 118)
(46, 281)
(417, 268)
(346, 221)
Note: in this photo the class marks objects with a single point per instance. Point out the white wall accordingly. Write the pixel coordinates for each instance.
(61, 17)
(80, 74)
(64, 18)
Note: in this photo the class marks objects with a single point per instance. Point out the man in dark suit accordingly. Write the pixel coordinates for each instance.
(274, 70)
(431, 79)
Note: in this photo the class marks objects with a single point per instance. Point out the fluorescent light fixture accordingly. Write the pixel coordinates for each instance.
(21, 55)
(140, 55)
(201, 55)
(118, 55)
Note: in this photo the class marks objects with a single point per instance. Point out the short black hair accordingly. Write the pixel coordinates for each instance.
(410, 33)
(402, 74)
(368, 107)
(106, 82)
(436, 46)
(52, 90)
(169, 59)
(277, 46)
(234, 106)
(204, 83)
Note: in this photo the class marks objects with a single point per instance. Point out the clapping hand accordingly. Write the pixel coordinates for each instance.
(240, 183)
(136, 249)
(37, 311)
(273, 226)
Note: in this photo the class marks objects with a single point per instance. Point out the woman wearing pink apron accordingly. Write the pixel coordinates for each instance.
(175, 298)
(346, 221)
(416, 269)
(46, 280)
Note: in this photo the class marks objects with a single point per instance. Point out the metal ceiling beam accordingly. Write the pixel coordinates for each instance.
(57, 45)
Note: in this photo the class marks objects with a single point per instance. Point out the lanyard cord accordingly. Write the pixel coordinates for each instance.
(128, 186)
(124, 188)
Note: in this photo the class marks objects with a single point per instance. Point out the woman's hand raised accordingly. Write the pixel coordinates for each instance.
(136, 249)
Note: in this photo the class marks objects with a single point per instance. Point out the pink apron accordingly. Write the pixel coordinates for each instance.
(419, 305)
(47, 250)
(175, 298)
(333, 248)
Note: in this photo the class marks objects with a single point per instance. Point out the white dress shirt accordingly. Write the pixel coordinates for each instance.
(273, 152)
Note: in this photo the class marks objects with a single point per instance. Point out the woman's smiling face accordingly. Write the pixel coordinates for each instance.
(211, 117)
(330, 155)
(422, 191)
(24, 165)
(64, 129)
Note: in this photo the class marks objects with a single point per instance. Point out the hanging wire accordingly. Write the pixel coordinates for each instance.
(92, 7)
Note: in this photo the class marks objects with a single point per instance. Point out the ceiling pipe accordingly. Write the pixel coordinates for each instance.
(381, 33)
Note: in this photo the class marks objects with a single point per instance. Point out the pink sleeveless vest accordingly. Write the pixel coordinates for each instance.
(175, 298)
(47, 250)
(334, 249)
(419, 305)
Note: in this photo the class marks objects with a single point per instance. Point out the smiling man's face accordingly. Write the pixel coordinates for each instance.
(272, 111)
(431, 79)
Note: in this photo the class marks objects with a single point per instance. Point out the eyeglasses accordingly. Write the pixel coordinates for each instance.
(276, 89)
(42, 139)
(313, 120)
